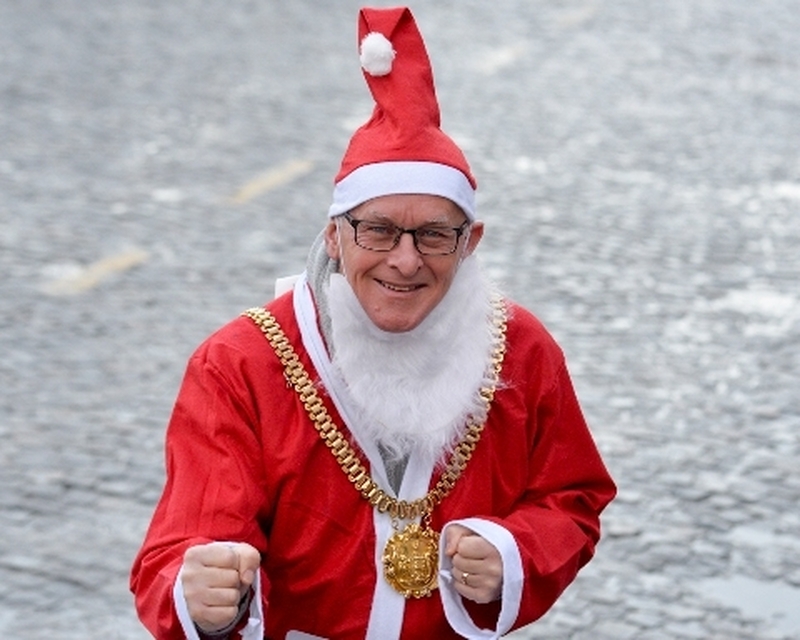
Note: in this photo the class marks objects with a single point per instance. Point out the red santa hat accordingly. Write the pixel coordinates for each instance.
(401, 149)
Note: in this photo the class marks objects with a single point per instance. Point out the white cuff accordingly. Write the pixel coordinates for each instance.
(513, 578)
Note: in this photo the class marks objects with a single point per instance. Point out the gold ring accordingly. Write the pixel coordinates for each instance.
(464, 576)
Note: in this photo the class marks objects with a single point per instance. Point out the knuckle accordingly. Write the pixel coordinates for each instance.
(191, 554)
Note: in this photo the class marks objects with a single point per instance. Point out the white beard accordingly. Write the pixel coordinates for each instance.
(415, 390)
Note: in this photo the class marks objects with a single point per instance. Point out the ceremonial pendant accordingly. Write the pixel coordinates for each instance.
(411, 561)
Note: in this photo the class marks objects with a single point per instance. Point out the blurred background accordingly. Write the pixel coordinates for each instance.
(162, 163)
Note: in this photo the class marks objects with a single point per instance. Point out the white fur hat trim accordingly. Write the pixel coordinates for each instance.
(387, 178)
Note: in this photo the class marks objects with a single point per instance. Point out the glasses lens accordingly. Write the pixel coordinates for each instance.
(376, 236)
(436, 240)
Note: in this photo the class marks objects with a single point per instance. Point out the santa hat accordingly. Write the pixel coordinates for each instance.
(401, 149)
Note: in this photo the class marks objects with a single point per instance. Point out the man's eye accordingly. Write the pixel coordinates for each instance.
(433, 234)
(380, 229)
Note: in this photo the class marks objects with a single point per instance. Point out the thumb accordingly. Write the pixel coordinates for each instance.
(249, 562)
(453, 535)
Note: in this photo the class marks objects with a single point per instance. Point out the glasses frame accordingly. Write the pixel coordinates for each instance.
(354, 222)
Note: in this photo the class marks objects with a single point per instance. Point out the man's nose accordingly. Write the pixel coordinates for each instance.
(405, 257)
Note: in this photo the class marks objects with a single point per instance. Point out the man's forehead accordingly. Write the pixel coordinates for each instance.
(424, 209)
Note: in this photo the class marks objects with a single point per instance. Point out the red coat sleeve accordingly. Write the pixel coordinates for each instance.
(547, 481)
(556, 523)
(214, 488)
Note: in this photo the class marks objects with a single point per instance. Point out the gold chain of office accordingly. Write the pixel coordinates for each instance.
(404, 554)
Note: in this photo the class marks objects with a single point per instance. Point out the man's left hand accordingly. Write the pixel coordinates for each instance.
(477, 566)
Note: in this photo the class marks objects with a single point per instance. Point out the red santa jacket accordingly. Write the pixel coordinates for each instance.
(244, 463)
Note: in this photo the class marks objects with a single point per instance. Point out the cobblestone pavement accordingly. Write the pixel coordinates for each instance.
(162, 163)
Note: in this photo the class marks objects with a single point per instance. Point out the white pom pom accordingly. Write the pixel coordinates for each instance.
(377, 54)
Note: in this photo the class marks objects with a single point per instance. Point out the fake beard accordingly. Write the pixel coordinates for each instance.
(415, 390)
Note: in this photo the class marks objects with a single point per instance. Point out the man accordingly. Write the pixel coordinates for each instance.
(390, 449)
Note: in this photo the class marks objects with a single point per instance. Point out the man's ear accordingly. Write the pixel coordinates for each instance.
(332, 245)
(475, 235)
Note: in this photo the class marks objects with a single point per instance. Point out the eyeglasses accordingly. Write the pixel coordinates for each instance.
(430, 240)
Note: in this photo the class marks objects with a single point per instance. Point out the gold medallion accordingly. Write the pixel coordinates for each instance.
(411, 561)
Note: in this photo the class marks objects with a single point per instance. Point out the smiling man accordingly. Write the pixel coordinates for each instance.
(401, 278)
(391, 449)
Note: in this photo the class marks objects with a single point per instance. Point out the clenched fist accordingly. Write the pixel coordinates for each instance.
(477, 566)
(215, 576)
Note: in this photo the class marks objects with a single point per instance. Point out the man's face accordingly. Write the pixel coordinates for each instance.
(399, 288)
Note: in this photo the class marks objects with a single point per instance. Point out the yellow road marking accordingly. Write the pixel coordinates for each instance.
(272, 179)
(96, 272)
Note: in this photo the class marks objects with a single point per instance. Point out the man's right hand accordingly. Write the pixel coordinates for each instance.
(215, 576)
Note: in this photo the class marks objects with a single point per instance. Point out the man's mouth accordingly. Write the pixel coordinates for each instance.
(408, 288)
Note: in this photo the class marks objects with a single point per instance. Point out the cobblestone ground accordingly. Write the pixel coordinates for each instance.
(162, 163)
